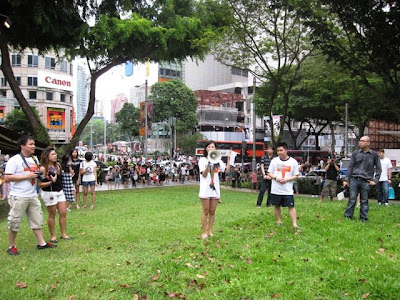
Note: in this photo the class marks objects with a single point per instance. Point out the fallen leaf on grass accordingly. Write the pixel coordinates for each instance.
(381, 250)
(189, 265)
(362, 280)
(305, 259)
(365, 296)
(380, 240)
(37, 279)
(124, 286)
(297, 232)
(89, 250)
(109, 248)
(127, 262)
(276, 296)
(176, 295)
(71, 297)
(21, 285)
(200, 276)
(249, 261)
(135, 297)
(53, 286)
(155, 277)
(372, 257)
(111, 290)
(341, 258)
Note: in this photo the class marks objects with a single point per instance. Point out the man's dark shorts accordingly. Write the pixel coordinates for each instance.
(282, 200)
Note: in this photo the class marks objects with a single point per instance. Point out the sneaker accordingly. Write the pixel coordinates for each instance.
(387, 204)
(46, 246)
(258, 206)
(13, 251)
(379, 203)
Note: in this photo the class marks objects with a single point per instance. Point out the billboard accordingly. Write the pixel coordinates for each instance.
(142, 118)
(55, 81)
(55, 118)
(2, 114)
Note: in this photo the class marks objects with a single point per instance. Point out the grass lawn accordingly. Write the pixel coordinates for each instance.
(145, 244)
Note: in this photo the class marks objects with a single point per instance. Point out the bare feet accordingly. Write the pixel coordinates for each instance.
(91, 206)
(204, 236)
(78, 207)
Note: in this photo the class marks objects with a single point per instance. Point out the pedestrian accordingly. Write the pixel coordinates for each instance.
(283, 171)
(332, 172)
(209, 193)
(53, 194)
(88, 171)
(385, 179)
(360, 177)
(265, 183)
(22, 171)
(317, 185)
(67, 183)
(76, 178)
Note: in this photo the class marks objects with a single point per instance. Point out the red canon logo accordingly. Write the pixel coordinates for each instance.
(48, 79)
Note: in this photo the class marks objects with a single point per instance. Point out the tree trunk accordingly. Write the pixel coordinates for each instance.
(90, 110)
(39, 131)
(333, 144)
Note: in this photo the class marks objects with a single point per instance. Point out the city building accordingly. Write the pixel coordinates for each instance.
(116, 105)
(47, 83)
(82, 92)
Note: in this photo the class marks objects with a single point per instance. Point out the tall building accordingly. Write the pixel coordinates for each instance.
(82, 92)
(47, 84)
(116, 105)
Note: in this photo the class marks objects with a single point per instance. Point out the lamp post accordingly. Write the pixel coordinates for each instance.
(145, 120)
(253, 165)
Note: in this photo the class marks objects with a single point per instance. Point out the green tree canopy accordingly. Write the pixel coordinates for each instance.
(128, 120)
(174, 99)
(16, 120)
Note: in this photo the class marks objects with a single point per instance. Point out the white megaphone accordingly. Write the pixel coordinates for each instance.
(214, 156)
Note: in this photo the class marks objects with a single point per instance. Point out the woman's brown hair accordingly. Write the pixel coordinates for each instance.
(44, 159)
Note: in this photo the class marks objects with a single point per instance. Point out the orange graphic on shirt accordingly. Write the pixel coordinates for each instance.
(32, 168)
(283, 169)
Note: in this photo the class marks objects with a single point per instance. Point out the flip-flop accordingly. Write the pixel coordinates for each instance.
(66, 238)
(54, 241)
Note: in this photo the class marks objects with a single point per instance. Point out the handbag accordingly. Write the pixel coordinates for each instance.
(340, 196)
(392, 196)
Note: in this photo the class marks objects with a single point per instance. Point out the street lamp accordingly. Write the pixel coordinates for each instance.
(145, 120)
(253, 165)
(6, 21)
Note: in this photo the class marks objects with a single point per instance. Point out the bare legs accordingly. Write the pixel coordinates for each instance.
(292, 214)
(77, 196)
(209, 206)
(52, 210)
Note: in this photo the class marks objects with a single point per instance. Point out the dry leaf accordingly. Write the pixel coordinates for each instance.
(200, 276)
(21, 285)
(53, 286)
(372, 257)
(127, 262)
(109, 248)
(380, 240)
(135, 297)
(71, 297)
(155, 277)
(189, 265)
(363, 280)
(341, 258)
(381, 250)
(111, 290)
(276, 296)
(124, 286)
(249, 261)
(365, 296)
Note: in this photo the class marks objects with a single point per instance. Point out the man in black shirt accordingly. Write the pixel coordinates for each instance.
(265, 180)
(332, 170)
(360, 173)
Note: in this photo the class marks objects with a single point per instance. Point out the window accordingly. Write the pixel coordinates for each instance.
(71, 67)
(49, 96)
(3, 81)
(50, 62)
(62, 97)
(32, 81)
(32, 95)
(16, 60)
(18, 79)
(33, 60)
(236, 71)
(64, 66)
(3, 94)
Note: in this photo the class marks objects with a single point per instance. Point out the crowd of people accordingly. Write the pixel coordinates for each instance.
(59, 184)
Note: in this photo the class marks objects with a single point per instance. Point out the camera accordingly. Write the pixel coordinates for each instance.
(41, 177)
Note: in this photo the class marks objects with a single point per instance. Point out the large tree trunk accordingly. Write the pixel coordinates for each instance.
(333, 144)
(90, 110)
(39, 131)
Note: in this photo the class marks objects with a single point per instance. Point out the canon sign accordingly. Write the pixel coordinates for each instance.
(55, 81)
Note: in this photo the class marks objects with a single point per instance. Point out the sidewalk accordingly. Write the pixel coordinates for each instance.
(104, 187)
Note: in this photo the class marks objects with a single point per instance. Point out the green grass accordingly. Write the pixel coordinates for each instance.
(146, 243)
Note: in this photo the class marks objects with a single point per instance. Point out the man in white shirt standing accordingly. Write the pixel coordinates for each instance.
(21, 171)
(283, 170)
(385, 179)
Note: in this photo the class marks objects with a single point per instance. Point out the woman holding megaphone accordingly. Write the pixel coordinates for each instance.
(210, 165)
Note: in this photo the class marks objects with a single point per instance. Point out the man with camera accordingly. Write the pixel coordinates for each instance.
(332, 171)
(22, 171)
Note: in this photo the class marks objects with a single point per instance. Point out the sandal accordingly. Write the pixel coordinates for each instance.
(66, 238)
(53, 241)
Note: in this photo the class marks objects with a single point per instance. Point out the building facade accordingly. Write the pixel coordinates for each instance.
(47, 84)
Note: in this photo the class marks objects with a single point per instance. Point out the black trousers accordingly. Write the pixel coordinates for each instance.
(265, 185)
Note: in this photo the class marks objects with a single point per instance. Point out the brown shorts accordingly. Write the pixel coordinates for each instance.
(329, 188)
(21, 205)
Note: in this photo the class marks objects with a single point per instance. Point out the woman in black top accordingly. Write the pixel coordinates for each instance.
(75, 164)
(52, 193)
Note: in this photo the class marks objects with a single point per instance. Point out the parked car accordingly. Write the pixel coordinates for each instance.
(315, 173)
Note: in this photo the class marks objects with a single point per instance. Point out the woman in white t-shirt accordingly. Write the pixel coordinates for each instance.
(210, 188)
(89, 177)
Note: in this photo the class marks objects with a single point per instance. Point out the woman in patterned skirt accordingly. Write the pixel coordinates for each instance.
(68, 185)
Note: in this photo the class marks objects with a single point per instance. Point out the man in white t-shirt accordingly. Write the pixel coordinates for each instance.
(283, 170)
(385, 179)
(22, 171)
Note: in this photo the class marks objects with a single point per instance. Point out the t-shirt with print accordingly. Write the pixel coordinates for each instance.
(91, 166)
(283, 169)
(16, 166)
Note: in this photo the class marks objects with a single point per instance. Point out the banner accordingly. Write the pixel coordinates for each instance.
(55, 118)
(2, 114)
(142, 118)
